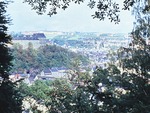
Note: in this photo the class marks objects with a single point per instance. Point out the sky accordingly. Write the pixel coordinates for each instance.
(76, 18)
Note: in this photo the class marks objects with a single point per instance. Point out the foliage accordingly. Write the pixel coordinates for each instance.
(57, 96)
(105, 8)
(45, 57)
(122, 88)
(5, 56)
(35, 95)
(136, 63)
(10, 97)
(47, 93)
(60, 95)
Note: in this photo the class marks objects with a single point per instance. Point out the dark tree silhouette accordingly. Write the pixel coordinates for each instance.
(10, 98)
(104, 8)
(5, 57)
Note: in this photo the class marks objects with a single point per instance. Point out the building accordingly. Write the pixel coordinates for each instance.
(51, 74)
(37, 39)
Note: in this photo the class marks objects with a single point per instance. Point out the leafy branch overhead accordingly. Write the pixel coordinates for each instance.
(104, 8)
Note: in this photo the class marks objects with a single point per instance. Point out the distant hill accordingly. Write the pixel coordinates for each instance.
(47, 56)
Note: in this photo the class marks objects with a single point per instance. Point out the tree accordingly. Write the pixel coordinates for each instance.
(46, 93)
(47, 56)
(135, 63)
(10, 98)
(123, 89)
(104, 8)
(5, 61)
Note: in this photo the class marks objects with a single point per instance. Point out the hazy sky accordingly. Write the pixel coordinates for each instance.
(75, 18)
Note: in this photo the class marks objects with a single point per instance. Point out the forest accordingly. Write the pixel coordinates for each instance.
(122, 88)
(48, 56)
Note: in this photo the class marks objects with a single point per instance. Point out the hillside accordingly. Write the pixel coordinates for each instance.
(48, 56)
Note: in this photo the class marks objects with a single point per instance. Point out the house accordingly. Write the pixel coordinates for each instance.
(51, 74)
(37, 39)
(18, 76)
(46, 72)
(34, 36)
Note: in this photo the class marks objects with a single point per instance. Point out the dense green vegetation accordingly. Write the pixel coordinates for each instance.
(122, 88)
(10, 96)
(47, 56)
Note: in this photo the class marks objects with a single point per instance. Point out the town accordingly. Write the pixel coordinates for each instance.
(97, 47)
